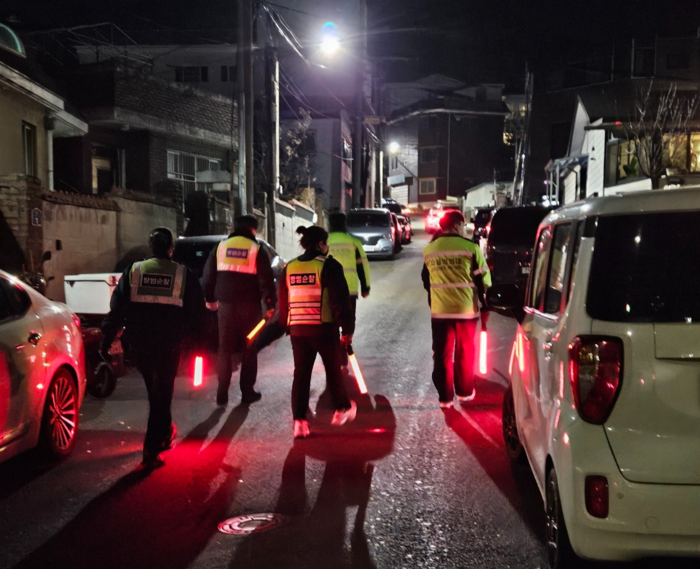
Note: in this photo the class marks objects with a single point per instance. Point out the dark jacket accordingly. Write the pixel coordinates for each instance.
(333, 279)
(151, 327)
(229, 286)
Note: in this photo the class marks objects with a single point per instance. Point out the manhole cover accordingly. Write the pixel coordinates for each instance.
(253, 523)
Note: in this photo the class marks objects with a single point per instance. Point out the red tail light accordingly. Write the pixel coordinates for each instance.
(597, 497)
(77, 322)
(595, 370)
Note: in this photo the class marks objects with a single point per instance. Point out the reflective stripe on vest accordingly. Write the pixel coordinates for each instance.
(157, 281)
(237, 254)
(308, 301)
(344, 250)
(450, 262)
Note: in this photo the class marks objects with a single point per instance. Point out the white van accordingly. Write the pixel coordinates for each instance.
(605, 376)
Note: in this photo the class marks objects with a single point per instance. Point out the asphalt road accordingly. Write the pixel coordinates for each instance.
(405, 485)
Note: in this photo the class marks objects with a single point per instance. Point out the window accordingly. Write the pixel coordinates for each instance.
(677, 61)
(228, 73)
(627, 161)
(557, 269)
(646, 268)
(427, 186)
(14, 302)
(394, 163)
(540, 267)
(193, 74)
(574, 262)
(29, 142)
(694, 152)
(612, 151)
(184, 167)
(428, 155)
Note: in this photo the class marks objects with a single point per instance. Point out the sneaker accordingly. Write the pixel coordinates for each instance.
(168, 443)
(466, 398)
(446, 404)
(342, 416)
(251, 397)
(301, 429)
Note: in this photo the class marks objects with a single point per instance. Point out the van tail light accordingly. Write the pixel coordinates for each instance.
(489, 256)
(595, 371)
(597, 496)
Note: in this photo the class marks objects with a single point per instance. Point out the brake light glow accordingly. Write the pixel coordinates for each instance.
(597, 496)
(483, 349)
(595, 372)
(198, 371)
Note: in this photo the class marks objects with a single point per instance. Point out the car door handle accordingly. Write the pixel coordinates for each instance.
(34, 338)
(547, 350)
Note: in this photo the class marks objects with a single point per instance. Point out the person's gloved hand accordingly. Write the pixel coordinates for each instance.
(269, 314)
(365, 293)
(485, 314)
(346, 340)
(213, 306)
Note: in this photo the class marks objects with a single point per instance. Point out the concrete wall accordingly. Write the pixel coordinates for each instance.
(88, 238)
(137, 219)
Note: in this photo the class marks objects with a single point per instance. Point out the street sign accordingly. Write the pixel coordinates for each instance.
(374, 120)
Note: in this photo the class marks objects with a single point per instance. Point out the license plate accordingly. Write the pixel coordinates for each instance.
(526, 270)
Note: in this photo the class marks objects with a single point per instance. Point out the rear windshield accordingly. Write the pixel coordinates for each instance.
(516, 226)
(646, 268)
(369, 219)
(482, 217)
(193, 255)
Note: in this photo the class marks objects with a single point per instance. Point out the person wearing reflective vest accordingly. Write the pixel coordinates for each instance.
(456, 276)
(238, 280)
(348, 251)
(313, 300)
(157, 301)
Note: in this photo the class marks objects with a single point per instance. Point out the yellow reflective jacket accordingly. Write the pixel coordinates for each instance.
(237, 254)
(348, 251)
(452, 263)
(157, 281)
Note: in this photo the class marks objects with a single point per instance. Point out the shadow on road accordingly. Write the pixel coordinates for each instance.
(478, 424)
(317, 537)
(164, 519)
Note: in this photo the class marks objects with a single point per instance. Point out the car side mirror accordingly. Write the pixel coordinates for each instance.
(506, 299)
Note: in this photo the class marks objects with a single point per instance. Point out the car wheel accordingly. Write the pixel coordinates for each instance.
(59, 423)
(514, 448)
(559, 551)
(103, 382)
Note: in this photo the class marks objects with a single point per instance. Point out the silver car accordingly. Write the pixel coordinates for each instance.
(42, 372)
(376, 230)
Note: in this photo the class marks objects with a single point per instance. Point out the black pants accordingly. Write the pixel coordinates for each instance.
(353, 313)
(236, 321)
(305, 349)
(158, 368)
(454, 350)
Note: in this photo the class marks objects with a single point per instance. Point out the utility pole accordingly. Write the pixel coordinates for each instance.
(245, 105)
(359, 109)
(273, 95)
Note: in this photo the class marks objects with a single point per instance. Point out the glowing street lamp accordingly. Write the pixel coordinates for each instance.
(394, 147)
(330, 40)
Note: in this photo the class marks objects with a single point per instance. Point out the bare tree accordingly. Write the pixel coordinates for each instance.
(659, 125)
(295, 166)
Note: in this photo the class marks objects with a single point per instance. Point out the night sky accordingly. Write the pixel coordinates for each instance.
(475, 41)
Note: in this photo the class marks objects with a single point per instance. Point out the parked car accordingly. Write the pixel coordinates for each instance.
(432, 219)
(406, 229)
(604, 401)
(510, 238)
(193, 252)
(482, 218)
(42, 372)
(376, 229)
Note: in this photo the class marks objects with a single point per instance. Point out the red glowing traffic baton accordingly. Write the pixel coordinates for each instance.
(198, 371)
(254, 331)
(361, 385)
(483, 345)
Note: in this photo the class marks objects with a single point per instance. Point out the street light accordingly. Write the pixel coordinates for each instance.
(330, 40)
(394, 147)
